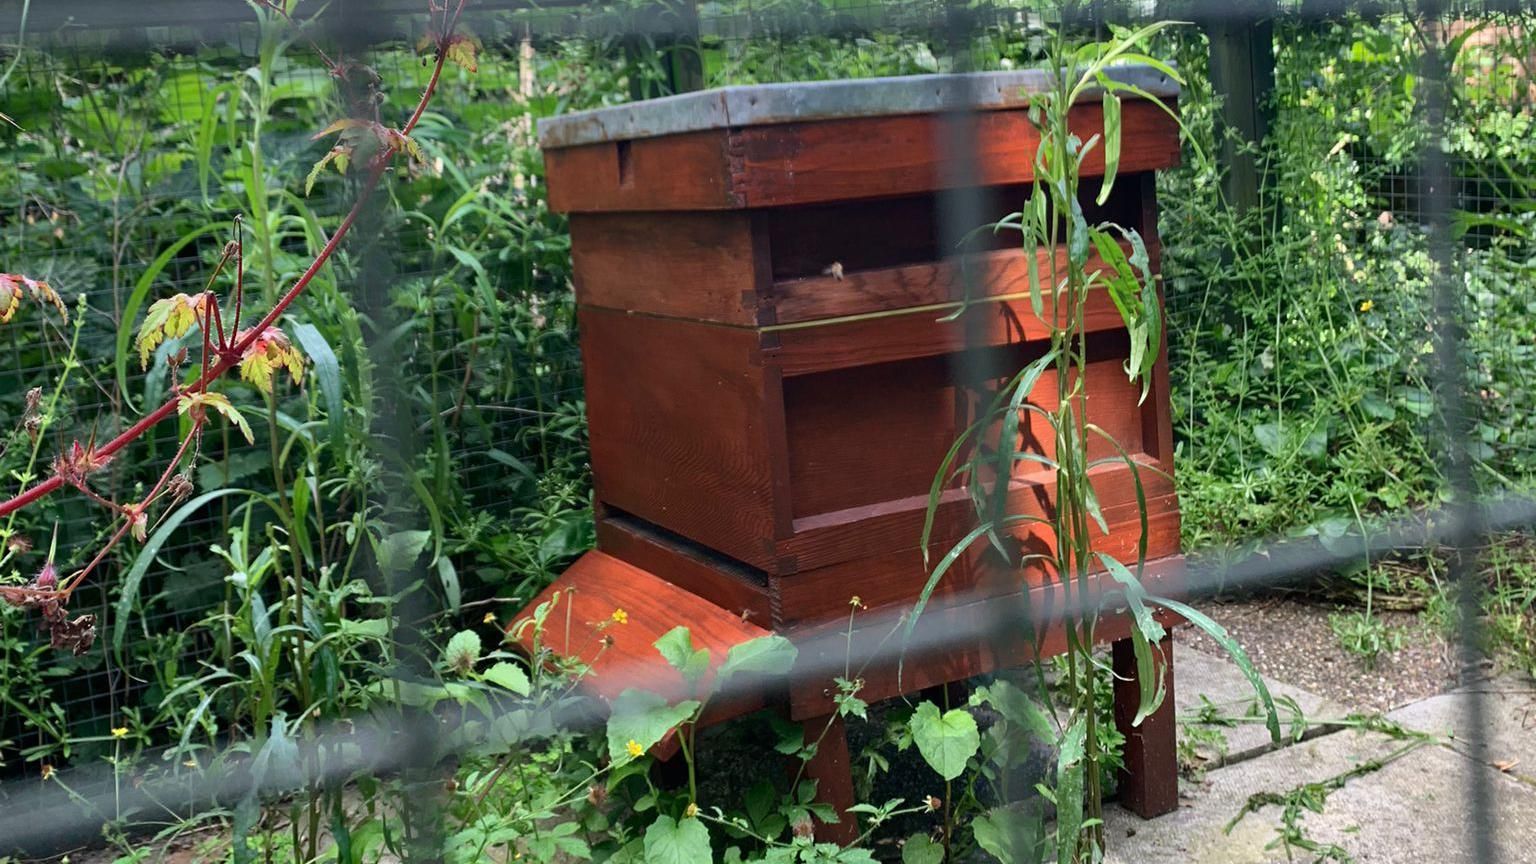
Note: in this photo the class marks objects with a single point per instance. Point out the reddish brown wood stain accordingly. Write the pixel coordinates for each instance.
(773, 376)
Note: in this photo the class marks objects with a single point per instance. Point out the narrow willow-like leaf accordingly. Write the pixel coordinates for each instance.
(1240, 657)
(944, 564)
(328, 373)
(123, 611)
(1146, 633)
(941, 476)
(1119, 50)
(1141, 491)
(1036, 237)
(1007, 446)
(1111, 144)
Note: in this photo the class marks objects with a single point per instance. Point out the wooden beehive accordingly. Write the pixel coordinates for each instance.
(773, 374)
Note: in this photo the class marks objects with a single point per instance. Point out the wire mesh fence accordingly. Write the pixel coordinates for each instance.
(1393, 179)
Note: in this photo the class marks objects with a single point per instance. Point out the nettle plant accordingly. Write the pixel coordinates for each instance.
(365, 150)
(1090, 582)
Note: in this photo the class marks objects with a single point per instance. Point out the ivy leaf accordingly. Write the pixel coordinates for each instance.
(642, 718)
(946, 741)
(677, 842)
(197, 404)
(676, 647)
(169, 318)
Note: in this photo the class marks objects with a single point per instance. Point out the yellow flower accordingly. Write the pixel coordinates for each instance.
(619, 616)
(692, 811)
(634, 748)
(47, 772)
(856, 602)
(120, 732)
(1366, 306)
(490, 618)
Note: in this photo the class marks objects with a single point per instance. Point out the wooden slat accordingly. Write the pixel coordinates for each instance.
(843, 344)
(582, 622)
(791, 164)
(676, 413)
(695, 570)
(691, 171)
(866, 436)
(975, 638)
(894, 579)
(686, 265)
(897, 525)
(990, 274)
(804, 163)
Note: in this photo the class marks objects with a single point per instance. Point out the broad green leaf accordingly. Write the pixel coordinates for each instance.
(509, 676)
(398, 552)
(1012, 835)
(765, 655)
(1271, 437)
(920, 849)
(462, 651)
(1018, 709)
(677, 842)
(946, 741)
(1069, 792)
(676, 647)
(642, 718)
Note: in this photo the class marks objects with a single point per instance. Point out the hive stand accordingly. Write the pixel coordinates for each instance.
(770, 387)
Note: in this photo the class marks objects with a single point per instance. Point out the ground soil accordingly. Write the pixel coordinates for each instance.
(1291, 640)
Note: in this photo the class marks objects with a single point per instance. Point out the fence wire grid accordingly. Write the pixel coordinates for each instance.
(138, 132)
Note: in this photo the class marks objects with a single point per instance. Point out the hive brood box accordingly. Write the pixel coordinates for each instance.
(773, 369)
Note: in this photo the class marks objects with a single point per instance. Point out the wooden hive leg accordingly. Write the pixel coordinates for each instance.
(1149, 783)
(833, 773)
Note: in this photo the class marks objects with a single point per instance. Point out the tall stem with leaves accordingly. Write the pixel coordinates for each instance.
(1088, 580)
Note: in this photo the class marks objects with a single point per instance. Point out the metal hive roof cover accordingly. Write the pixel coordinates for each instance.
(762, 104)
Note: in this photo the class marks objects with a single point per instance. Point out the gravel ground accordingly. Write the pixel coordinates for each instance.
(1292, 641)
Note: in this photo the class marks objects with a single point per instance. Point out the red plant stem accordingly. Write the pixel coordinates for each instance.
(229, 358)
(239, 277)
(437, 70)
(212, 303)
(68, 590)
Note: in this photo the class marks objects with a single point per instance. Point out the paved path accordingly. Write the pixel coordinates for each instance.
(1413, 808)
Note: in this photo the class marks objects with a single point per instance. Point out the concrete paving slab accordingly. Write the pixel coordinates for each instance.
(1410, 811)
(1203, 682)
(1196, 832)
(1509, 705)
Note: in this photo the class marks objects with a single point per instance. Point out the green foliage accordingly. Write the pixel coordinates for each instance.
(947, 740)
